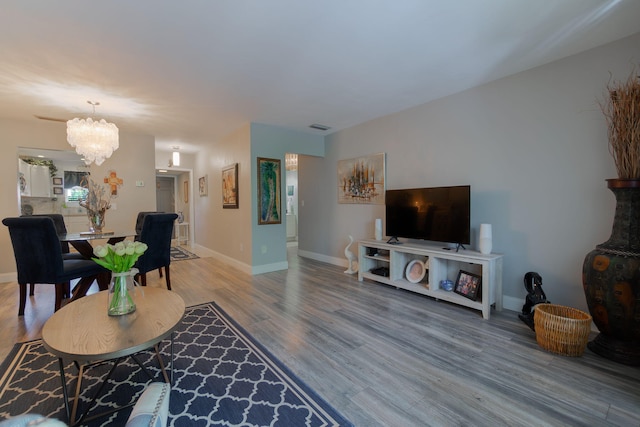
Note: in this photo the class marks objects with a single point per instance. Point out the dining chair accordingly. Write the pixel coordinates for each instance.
(157, 231)
(140, 221)
(38, 254)
(61, 228)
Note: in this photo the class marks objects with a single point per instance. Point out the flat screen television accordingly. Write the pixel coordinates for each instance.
(439, 214)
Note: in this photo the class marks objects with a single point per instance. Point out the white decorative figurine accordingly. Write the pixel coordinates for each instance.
(352, 259)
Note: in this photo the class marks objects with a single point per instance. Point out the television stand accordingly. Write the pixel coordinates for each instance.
(460, 245)
(394, 241)
(442, 264)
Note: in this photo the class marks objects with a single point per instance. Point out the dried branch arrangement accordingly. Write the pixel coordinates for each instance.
(622, 112)
(96, 200)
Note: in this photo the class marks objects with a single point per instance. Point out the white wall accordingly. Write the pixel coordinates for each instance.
(533, 147)
(225, 232)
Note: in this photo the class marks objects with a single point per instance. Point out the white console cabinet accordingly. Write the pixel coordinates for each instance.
(443, 264)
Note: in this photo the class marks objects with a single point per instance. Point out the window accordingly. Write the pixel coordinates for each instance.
(75, 186)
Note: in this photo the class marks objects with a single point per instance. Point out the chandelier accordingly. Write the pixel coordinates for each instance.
(94, 140)
(291, 161)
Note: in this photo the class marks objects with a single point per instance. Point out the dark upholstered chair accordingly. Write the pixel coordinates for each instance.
(140, 222)
(156, 232)
(61, 228)
(38, 255)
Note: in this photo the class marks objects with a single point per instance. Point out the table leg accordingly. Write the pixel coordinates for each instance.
(83, 247)
(82, 287)
(72, 419)
(104, 279)
(172, 360)
(65, 393)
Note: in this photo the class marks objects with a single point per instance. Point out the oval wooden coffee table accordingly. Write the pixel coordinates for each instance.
(82, 331)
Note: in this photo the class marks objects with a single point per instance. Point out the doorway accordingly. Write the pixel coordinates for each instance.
(291, 183)
(165, 194)
(174, 194)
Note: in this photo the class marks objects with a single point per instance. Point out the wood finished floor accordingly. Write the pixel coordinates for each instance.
(386, 357)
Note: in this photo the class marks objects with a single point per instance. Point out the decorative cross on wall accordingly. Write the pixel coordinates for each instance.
(114, 182)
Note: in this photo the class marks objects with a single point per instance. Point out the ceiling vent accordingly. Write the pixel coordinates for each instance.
(319, 127)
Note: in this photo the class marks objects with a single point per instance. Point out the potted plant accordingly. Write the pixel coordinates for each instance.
(611, 272)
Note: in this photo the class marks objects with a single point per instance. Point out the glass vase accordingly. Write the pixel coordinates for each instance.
(120, 293)
(96, 221)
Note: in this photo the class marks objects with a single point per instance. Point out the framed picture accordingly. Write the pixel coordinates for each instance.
(230, 187)
(269, 206)
(57, 181)
(362, 180)
(468, 284)
(289, 190)
(57, 190)
(202, 186)
(185, 190)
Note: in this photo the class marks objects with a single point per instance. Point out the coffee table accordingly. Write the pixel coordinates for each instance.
(83, 332)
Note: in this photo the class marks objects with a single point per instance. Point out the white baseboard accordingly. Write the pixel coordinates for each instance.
(512, 303)
(323, 258)
(246, 268)
(9, 277)
(267, 268)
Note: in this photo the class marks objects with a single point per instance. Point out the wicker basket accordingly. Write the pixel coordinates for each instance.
(562, 330)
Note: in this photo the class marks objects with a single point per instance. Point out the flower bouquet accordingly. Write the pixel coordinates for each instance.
(119, 259)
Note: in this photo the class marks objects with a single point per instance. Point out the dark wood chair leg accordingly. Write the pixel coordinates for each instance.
(143, 279)
(160, 272)
(60, 289)
(167, 274)
(32, 287)
(23, 298)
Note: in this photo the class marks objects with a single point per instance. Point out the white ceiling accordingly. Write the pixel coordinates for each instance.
(192, 71)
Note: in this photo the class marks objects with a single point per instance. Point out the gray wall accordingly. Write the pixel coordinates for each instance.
(533, 147)
(269, 241)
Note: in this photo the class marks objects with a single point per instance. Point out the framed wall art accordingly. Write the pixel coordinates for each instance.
(230, 187)
(203, 186)
(468, 284)
(362, 180)
(57, 190)
(185, 190)
(269, 204)
(57, 181)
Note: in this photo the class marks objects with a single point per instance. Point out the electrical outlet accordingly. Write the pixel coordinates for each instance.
(139, 183)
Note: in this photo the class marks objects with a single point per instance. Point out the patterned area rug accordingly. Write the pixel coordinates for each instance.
(222, 377)
(178, 254)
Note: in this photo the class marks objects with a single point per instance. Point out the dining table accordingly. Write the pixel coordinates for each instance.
(81, 242)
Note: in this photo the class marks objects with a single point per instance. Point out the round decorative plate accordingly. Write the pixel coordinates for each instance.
(415, 271)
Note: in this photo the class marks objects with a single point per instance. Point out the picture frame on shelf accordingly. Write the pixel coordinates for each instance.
(468, 284)
(269, 189)
(230, 187)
